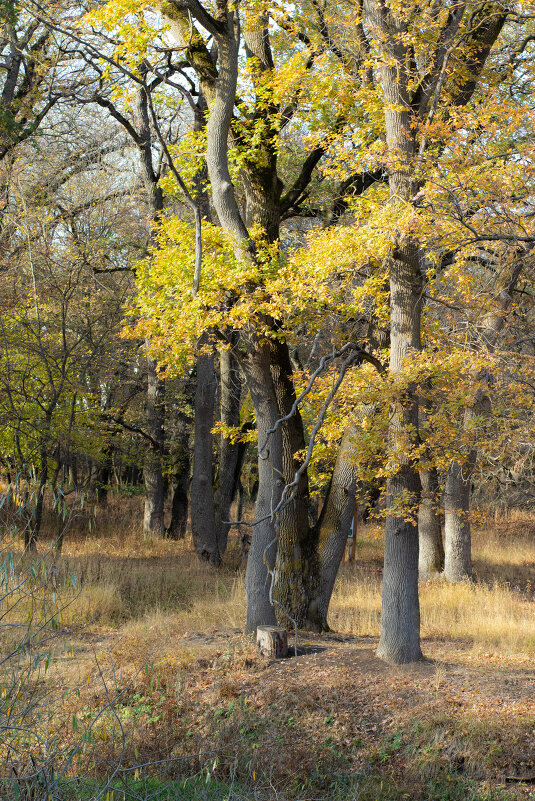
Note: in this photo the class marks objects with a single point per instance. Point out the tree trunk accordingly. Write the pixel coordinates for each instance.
(457, 534)
(230, 388)
(181, 468)
(297, 565)
(179, 509)
(31, 534)
(333, 525)
(431, 547)
(153, 520)
(203, 527)
(400, 619)
(263, 550)
(103, 476)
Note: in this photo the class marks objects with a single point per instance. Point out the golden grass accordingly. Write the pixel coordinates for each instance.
(496, 609)
(151, 590)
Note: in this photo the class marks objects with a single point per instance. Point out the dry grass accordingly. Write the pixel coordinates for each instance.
(494, 610)
(123, 580)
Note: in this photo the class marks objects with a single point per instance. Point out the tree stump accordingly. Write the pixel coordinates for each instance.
(272, 641)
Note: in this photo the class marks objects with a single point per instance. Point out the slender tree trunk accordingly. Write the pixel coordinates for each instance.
(431, 547)
(181, 460)
(458, 537)
(103, 476)
(32, 531)
(230, 388)
(203, 526)
(458, 553)
(179, 508)
(333, 526)
(153, 520)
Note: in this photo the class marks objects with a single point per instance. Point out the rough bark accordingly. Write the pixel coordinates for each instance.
(263, 548)
(400, 620)
(203, 526)
(431, 546)
(297, 566)
(457, 533)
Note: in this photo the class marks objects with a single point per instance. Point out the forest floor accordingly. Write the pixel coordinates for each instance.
(150, 682)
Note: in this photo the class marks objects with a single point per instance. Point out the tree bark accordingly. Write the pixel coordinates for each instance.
(203, 526)
(400, 620)
(153, 519)
(32, 531)
(230, 389)
(333, 526)
(181, 461)
(297, 565)
(431, 546)
(263, 550)
(266, 366)
(457, 533)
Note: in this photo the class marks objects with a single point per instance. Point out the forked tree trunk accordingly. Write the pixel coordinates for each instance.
(203, 527)
(431, 546)
(457, 533)
(266, 366)
(153, 519)
(297, 565)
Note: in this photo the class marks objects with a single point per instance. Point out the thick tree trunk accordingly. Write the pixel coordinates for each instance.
(263, 548)
(457, 533)
(297, 565)
(153, 519)
(400, 619)
(203, 526)
(431, 547)
(230, 388)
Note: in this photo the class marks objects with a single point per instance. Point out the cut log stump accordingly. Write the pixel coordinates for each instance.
(272, 641)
